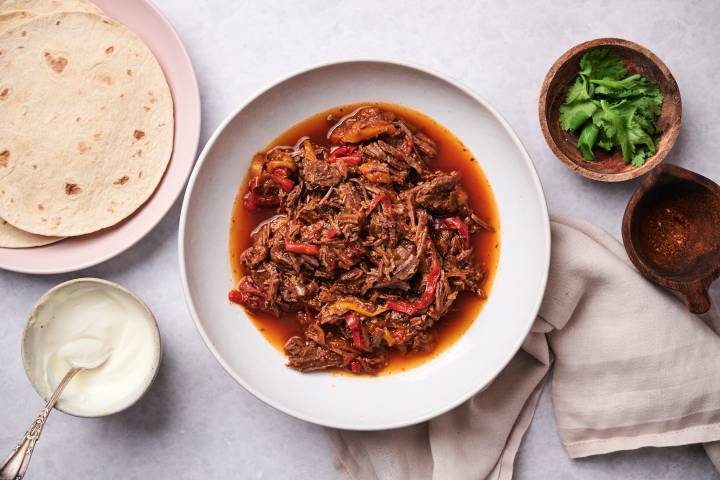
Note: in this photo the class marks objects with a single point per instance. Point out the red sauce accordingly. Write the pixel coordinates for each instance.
(452, 155)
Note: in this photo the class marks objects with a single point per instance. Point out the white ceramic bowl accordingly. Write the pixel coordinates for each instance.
(32, 336)
(343, 401)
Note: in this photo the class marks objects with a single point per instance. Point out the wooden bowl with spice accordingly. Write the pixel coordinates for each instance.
(671, 231)
(617, 102)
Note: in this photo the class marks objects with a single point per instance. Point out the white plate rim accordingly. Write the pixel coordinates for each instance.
(350, 425)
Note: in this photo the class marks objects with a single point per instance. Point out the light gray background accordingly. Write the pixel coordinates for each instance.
(196, 421)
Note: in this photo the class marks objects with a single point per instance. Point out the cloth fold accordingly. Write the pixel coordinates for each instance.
(631, 368)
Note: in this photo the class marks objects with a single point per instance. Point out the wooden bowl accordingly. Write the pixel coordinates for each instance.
(671, 231)
(609, 167)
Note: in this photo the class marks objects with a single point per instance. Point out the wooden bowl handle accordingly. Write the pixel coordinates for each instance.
(696, 297)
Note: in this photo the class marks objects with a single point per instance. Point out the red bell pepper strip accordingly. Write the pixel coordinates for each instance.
(379, 198)
(354, 325)
(346, 154)
(356, 367)
(331, 233)
(243, 292)
(455, 223)
(401, 306)
(428, 296)
(302, 248)
(341, 152)
(280, 177)
(235, 296)
(355, 159)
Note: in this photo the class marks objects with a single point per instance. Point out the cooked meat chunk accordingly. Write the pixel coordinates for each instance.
(306, 355)
(364, 124)
(441, 193)
(369, 248)
(319, 173)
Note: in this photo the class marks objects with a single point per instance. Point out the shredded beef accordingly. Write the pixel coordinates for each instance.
(370, 246)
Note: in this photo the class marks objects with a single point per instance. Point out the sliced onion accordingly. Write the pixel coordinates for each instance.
(256, 165)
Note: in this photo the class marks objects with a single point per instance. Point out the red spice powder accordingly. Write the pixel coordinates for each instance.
(681, 230)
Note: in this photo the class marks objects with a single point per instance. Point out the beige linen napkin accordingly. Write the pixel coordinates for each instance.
(632, 368)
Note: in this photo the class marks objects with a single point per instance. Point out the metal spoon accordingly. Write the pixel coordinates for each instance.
(15, 465)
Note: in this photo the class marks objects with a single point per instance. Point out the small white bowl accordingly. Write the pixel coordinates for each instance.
(345, 401)
(31, 330)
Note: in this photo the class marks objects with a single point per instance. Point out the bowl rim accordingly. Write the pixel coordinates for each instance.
(656, 159)
(156, 328)
(350, 424)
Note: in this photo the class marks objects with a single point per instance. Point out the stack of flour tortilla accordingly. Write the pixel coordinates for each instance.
(87, 121)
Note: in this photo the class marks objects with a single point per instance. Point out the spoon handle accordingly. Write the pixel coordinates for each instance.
(15, 465)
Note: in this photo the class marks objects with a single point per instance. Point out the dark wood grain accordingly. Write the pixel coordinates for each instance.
(692, 268)
(609, 167)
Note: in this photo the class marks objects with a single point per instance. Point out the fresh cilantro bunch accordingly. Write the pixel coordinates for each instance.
(611, 109)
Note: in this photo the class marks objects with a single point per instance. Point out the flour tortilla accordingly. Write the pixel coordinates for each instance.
(11, 237)
(14, 13)
(12, 20)
(87, 128)
(47, 7)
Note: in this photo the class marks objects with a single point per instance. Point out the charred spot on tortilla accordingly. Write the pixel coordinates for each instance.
(4, 158)
(138, 134)
(122, 180)
(83, 148)
(56, 64)
(106, 79)
(72, 189)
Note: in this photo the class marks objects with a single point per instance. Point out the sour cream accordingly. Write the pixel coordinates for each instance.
(85, 323)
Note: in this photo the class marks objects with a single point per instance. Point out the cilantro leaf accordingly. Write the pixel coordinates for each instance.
(587, 139)
(601, 63)
(578, 91)
(643, 143)
(573, 115)
(611, 109)
(615, 120)
(604, 142)
(649, 105)
(630, 87)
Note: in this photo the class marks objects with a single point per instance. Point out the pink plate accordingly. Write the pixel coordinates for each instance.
(143, 18)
